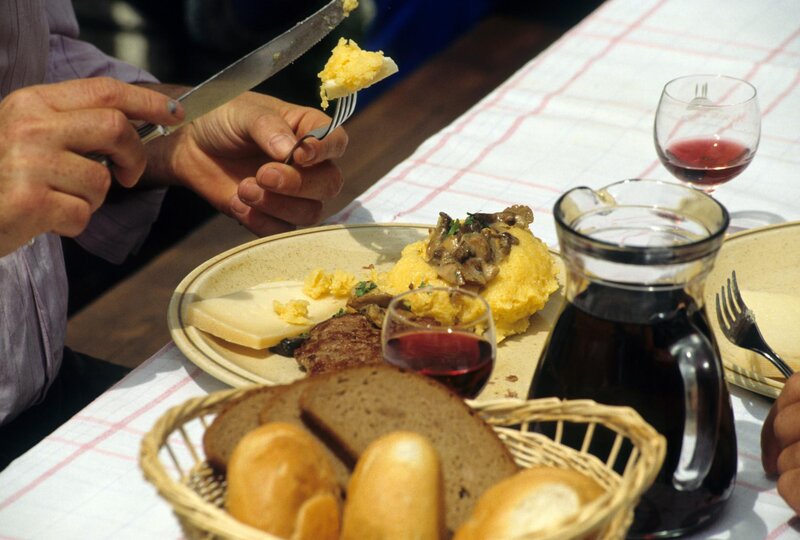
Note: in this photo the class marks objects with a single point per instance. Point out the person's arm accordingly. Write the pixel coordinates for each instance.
(780, 442)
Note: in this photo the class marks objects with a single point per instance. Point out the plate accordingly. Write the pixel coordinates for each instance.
(293, 255)
(767, 265)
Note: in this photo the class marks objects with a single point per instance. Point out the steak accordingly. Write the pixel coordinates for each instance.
(344, 341)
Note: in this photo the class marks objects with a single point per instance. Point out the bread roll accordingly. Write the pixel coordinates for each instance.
(532, 500)
(280, 481)
(396, 491)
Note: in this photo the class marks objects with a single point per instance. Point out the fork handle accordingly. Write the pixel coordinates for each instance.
(777, 361)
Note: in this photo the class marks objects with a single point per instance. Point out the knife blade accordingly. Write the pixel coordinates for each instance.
(253, 68)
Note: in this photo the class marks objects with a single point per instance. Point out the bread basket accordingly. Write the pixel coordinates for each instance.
(171, 458)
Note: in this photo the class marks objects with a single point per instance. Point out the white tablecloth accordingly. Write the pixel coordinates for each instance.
(580, 113)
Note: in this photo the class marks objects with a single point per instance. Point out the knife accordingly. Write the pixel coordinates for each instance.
(253, 68)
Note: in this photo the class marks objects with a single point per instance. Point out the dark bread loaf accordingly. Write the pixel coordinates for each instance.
(283, 405)
(232, 423)
(354, 407)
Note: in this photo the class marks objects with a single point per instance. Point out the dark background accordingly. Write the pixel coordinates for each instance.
(187, 41)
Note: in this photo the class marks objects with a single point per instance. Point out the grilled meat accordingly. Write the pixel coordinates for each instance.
(342, 341)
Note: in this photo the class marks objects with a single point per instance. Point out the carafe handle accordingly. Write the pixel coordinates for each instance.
(702, 384)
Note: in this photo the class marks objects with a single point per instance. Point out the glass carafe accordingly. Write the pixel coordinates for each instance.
(633, 332)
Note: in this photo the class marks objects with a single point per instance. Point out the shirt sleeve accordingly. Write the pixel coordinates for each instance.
(120, 226)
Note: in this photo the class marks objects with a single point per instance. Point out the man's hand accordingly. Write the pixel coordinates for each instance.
(46, 181)
(780, 442)
(233, 157)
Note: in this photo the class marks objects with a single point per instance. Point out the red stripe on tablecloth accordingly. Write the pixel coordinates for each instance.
(70, 442)
(756, 66)
(697, 36)
(100, 438)
(542, 104)
(501, 178)
(668, 47)
(778, 531)
(768, 109)
(775, 52)
(485, 197)
(757, 489)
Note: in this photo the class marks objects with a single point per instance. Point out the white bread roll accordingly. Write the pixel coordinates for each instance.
(280, 481)
(532, 500)
(396, 491)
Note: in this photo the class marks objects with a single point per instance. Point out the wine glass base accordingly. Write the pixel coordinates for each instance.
(751, 219)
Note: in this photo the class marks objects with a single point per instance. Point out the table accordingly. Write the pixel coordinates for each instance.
(580, 113)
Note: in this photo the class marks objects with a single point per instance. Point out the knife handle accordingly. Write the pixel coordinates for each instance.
(147, 132)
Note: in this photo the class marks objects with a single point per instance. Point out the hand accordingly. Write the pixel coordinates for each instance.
(46, 181)
(780, 442)
(233, 157)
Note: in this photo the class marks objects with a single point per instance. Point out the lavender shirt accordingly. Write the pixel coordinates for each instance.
(38, 44)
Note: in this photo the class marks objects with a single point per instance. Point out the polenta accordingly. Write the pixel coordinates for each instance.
(350, 69)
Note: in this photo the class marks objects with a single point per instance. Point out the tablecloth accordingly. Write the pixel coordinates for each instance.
(580, 113)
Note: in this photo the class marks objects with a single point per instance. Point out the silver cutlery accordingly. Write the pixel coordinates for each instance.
(250, 70)
(344, 110)
(738, 323)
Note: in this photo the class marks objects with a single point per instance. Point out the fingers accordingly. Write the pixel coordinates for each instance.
(277, 137)
(789, 488)
(312, 151)
(780, 434)
(320, 182)
(257, 222)
(790, 393)
(136, 102)
(293, 210)
(106, 132)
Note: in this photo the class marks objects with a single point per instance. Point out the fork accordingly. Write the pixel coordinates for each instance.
(344, 110)
(738, 323)
(700, 98)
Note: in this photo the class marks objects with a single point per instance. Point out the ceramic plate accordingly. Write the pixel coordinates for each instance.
(292, 256)
(767, 265)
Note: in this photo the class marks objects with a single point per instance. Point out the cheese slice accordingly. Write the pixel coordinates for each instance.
(350, 69)
(248, 317)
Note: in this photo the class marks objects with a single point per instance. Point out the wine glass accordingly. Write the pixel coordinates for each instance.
(445, 333)
(707, 128)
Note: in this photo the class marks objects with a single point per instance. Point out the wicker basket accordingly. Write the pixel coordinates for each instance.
(171, 459)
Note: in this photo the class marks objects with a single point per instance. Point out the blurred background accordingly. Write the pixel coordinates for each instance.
(187, 41)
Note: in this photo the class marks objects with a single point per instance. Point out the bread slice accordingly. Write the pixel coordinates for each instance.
(284, 406)
(356, 406)
(232, 423)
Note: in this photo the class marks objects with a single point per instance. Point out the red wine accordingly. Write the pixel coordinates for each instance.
(705, 162)
(608, 346)
(461, 361)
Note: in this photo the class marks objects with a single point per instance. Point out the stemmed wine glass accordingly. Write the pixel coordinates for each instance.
(445, 333)
(707, 128)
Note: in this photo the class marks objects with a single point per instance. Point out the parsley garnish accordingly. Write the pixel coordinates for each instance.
(455, 226)
(363, 287)
(472, 218)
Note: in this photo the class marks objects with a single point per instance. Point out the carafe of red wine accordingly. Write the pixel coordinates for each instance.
(633, 332)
